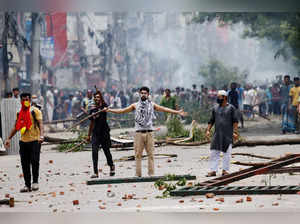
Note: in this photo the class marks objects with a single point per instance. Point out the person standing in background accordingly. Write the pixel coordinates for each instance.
(50, 103)
(287, 121)
(276, 98)
(294, 96)
(249, 101)
(233, 99)
(16, 92)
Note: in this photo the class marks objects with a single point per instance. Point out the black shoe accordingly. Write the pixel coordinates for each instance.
(95, 176)
(112, 171)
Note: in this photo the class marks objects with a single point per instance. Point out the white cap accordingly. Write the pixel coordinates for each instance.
(222, 93)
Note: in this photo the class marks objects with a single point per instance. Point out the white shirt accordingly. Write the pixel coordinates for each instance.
(50, 98)
(250, 96)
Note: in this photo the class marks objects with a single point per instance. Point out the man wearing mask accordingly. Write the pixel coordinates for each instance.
(226, 125)
(35, 102)
(29, 123)
(144, 115)
(294, 94)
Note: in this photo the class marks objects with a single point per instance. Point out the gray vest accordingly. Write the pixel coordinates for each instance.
(139, 127)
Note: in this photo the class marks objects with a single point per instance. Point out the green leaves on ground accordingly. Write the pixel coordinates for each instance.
(168, 187)
(81, 137)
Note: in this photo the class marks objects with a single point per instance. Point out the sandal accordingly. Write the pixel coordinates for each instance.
(211, 174)
(224, 172)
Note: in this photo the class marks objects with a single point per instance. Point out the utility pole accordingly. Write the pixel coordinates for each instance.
(34, 73)
(120, 38)
(79, 70)
(5, 62)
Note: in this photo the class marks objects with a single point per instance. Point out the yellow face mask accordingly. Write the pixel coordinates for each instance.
(26, 103)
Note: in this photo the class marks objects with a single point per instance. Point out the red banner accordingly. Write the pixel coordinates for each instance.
(57, 28)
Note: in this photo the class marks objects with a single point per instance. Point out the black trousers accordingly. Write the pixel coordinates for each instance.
(295, 112)
(276, 107)
(104, 141)
(30, 159)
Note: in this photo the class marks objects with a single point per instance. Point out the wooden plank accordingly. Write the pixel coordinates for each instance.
(238, 190)
(9, 109)
(119, 140)
(245, 173)
(136, 179)
(257, 171)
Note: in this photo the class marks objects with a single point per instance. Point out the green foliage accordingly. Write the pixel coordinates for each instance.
(181, 182)
(159, 183)
(170, 177)
(175, 128)
(197, 113)
(65, 147)
(215, 73)
(199, 134)
(168, 187)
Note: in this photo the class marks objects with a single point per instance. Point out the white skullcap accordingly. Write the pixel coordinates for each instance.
(222, 93)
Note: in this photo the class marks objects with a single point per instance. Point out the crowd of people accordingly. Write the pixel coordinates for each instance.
(226, 107)
(279, 99)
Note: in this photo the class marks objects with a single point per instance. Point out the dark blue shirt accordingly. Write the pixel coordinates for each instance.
(233, 98)
(284, 93)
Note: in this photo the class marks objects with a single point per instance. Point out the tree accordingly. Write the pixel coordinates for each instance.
(216, 74)
(283, 29)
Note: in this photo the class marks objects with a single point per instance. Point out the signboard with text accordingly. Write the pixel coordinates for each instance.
(47, 47)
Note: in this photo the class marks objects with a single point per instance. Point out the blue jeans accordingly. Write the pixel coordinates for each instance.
(288, 119)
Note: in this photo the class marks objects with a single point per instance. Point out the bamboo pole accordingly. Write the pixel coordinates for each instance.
(59, 121)
(132, 158)
(267, 142)
(252, 155)
(84, 119)
(76, 146)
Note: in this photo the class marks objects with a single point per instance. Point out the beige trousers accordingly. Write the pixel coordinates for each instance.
(144, 141)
